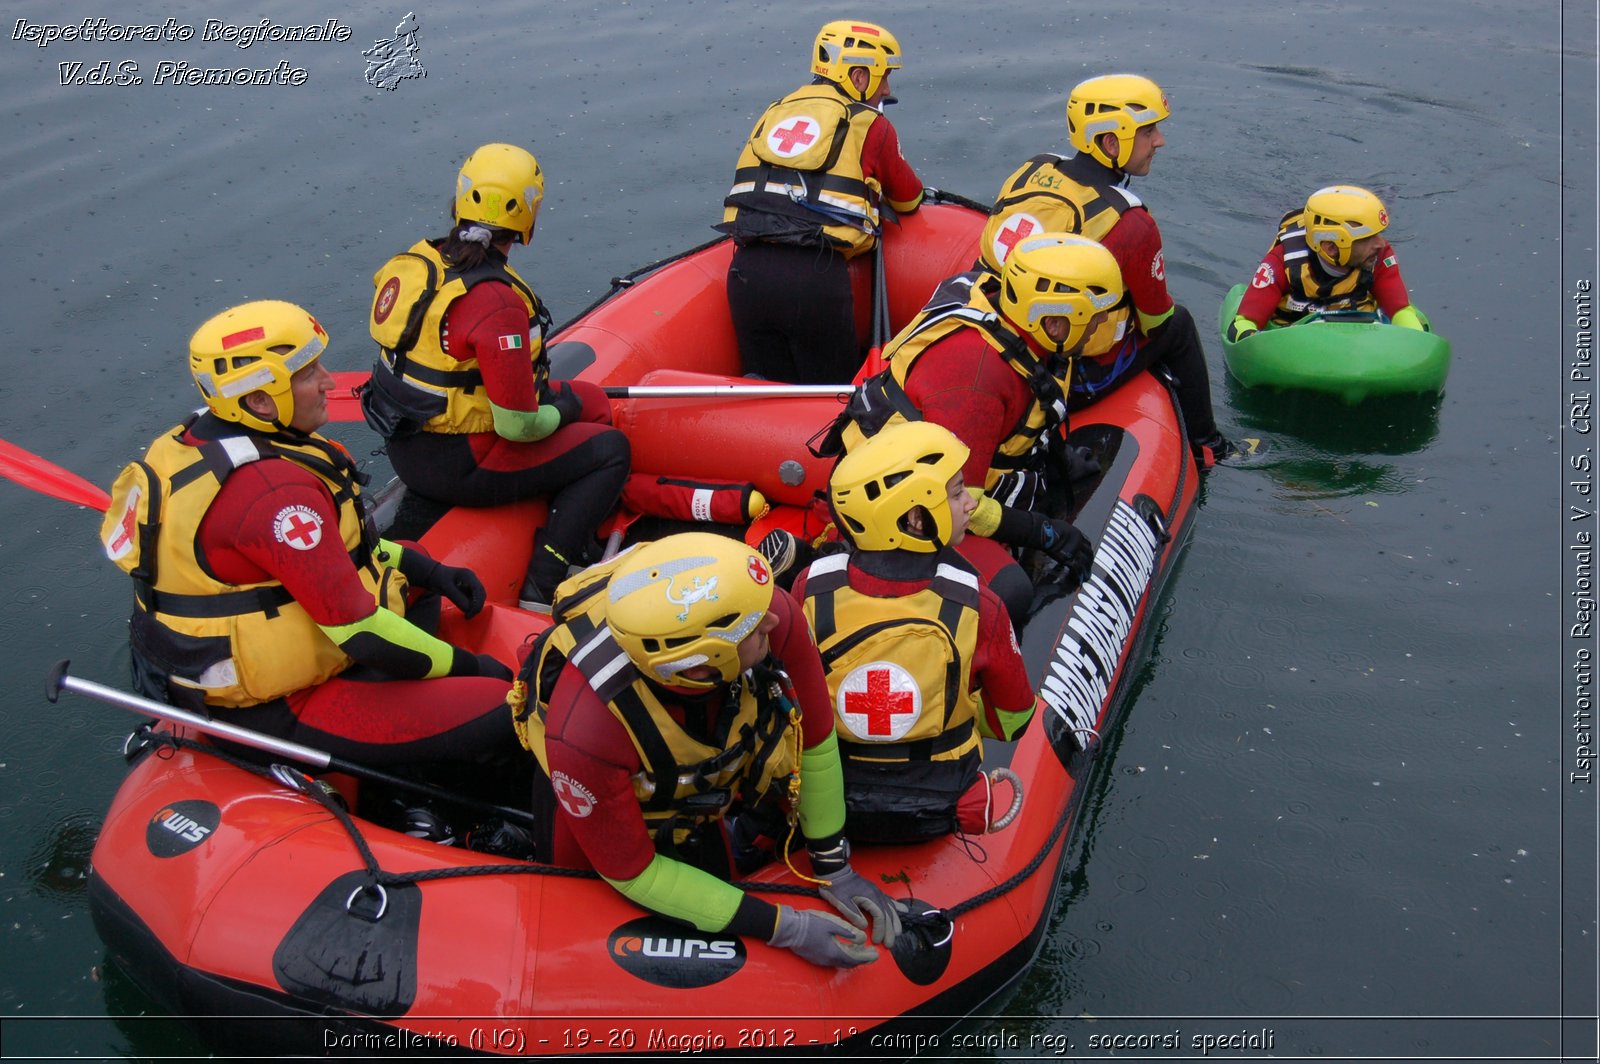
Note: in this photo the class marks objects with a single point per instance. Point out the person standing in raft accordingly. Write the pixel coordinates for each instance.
(461, 388)
(990, 358)
(1328, 257)
(1113, 122)
(679, 689)
(806, 199)
(260, 589)
(921, 659)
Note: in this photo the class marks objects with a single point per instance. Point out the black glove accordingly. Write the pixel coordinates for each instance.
(560, 395)
(1065, 544)
(821, 938)
(466, 663)
(1080, 462)
(460, 585)
(1020, 488)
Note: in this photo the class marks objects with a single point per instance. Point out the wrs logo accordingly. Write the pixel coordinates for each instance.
(665, 954)
(180, 827)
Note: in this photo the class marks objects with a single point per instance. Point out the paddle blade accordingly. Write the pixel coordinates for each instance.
(31, 471)
(343, 403)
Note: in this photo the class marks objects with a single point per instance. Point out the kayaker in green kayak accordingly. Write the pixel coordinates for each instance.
(1328, 257)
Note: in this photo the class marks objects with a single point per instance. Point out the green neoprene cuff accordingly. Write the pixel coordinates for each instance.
(525, 426)
(822, 789)
(682, 892)
(393, 628)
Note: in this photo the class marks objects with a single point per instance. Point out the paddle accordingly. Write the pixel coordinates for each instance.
(344, 406)
(306, 755)
(31, 471)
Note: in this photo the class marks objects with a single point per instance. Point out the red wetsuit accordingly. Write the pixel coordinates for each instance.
(356, 717)
(586, 741)
(579, 467)
(1271, 283)
(965, 385)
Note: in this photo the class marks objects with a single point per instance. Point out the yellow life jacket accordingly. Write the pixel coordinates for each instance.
(898, 668)
(899, 672)
(799, 179)
(1313, 288)
(684, 781)
(1049, 193)
(965, 301)
(415, 384)
(200, 640)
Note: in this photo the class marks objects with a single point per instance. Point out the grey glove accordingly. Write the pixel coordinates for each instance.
(855, 896)
(821, 938)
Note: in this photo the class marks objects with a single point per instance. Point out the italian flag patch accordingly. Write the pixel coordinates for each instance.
(1389, 262)
(511, 343)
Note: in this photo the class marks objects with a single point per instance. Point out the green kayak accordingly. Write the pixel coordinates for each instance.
(1352, 356)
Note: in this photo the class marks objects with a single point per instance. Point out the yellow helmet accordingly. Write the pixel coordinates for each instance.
(1343, 214)
(254, 347)
(874, 486)
(688, 600)
(500, 185)
(845, 44)
(1058, 274)
(1114, 103)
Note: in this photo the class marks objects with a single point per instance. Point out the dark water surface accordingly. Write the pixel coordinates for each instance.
(1340, 814)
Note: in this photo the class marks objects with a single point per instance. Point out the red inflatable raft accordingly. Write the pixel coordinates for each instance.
(239, 902)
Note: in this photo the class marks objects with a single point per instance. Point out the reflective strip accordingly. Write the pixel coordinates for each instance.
(955, 575)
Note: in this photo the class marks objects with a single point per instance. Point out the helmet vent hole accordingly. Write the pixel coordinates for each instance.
(682, 640)
(511, 206)
(894, 478)
(873, 490)
(651, 646)
(727, 620)
(476, 198)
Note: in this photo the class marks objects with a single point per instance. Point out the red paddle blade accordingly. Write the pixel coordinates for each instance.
(343, 404)
(31, 471)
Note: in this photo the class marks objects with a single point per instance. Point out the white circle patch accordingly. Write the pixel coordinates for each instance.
(574, 797)
(793, 136)
(298, 526)
(1016, 228)
(879, 702)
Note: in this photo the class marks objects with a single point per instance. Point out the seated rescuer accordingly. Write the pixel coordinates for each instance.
(1112, 121)
(920, 656)
(461, 388)
(990, 359)
(259, 588)
(806, 199)
(659, 705)
(1329, 256)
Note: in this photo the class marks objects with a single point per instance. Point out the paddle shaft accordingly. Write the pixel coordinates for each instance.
(318, 759)
(343, 405)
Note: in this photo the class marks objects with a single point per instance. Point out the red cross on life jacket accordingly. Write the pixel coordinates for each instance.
(799, 132)
(1011, 233)
(878, 703)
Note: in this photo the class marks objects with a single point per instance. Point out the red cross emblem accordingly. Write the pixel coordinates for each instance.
(1264, 277)
(758, 570)
(879, 701)
(298, 526)
(1383, 217)
(1015, 229)
(574, 797)
(795, 138)
(121, 541)
(385, 305)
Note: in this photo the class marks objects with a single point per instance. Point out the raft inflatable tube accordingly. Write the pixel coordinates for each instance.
(270, 918)
(1351, 356)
